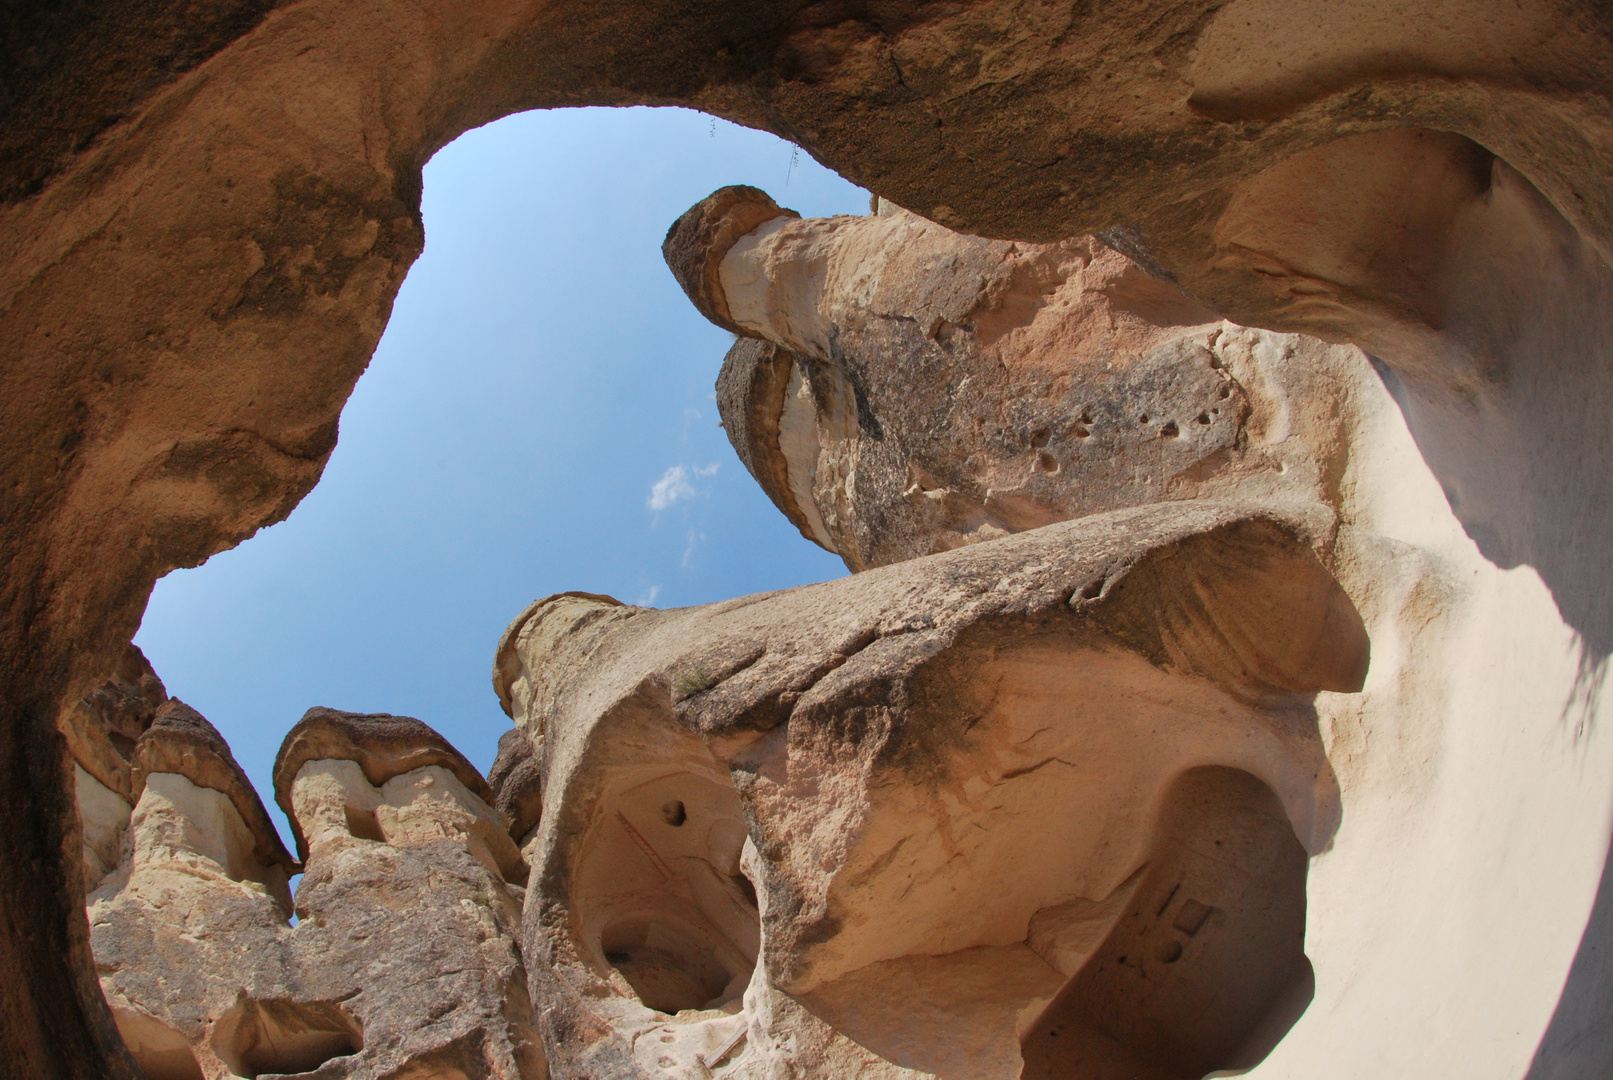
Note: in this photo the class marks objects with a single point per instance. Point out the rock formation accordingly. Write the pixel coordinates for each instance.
(900, 389)
(206, 210)
(878, 826)
(403, 959)
(102, 730)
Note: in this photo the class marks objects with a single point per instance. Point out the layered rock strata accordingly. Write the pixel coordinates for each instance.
(403, 959)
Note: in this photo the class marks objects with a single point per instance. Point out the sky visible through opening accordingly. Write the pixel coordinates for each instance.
(538, 417)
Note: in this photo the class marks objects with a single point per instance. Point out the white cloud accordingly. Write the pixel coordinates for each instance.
(648, 599)
(673, 485)
(695, 539)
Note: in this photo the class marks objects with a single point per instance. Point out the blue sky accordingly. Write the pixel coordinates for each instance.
(538, 417)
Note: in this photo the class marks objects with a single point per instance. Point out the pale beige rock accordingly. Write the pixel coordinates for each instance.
(905, 748)
(1430, 747)
(103, 815)
(403, 960)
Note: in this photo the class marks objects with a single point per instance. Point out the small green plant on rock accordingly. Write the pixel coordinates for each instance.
(691, 682)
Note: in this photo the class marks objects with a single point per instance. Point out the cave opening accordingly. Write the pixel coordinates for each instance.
(538, 416)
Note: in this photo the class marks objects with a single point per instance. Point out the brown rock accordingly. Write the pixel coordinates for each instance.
(101, 730)
(696, 243)
(517, 784)
(913, 389)
(200, 255)
(180, 741)
(102, 727)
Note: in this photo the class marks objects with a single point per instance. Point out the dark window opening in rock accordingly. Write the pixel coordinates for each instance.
(674, 813)
(161, 1052)
(277, 1036)
(1206, 969)
(364, 825)
(746, 889)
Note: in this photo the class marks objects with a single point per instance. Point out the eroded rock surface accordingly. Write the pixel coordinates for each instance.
(778, 832)
(102, 729)
(403, 959)
(901, 389)
(201, 251)
(865, 801)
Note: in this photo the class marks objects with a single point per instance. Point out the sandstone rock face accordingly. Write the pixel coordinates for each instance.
(101, 730)
(875, 827)
(403, 960)
(517, 784)
(902, 389)
(820, 794)
(201, 250)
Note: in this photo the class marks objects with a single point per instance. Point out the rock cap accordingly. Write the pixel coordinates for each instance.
(751, 388)
(383, 745)
(507, 664)
(103, 726)
(697, 242)
(180, 740)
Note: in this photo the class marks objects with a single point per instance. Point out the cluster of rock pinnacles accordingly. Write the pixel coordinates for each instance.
(1032, 793)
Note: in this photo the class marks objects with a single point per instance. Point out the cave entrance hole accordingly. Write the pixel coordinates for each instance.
(661, 894)
(278, 1036)
(1206, 969)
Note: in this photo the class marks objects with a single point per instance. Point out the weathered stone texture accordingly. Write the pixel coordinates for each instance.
(101, 730)
(207, 210)
(404, 957)
(818, 792)
(903, 389)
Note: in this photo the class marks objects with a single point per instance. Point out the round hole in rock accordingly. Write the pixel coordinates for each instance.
(278, 1036)
(161, 1052)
